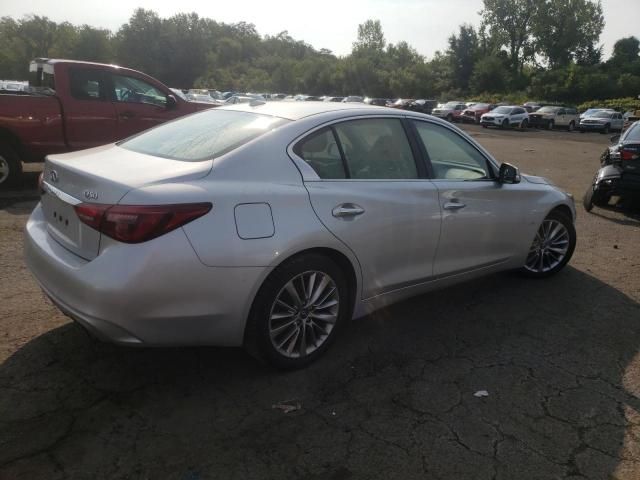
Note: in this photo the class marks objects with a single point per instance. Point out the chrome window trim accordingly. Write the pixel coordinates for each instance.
(310, 175)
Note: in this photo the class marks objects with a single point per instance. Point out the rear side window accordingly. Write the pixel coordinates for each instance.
(320, 150)
(87, 84)
(376, 148)
(202, 136)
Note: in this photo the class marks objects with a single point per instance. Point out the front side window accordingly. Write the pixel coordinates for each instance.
(376, 148)
(202, 136)
(87, 84)
(133, 90)
(452, 157)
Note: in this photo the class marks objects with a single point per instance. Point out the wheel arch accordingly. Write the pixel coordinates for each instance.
(11, 139)
(564, 209)
(340, 259)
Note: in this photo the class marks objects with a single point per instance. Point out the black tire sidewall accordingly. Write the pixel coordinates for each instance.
(15, 166)
(257, 338)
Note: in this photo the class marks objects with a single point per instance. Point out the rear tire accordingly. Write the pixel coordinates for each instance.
(556, 234)
(525, 124)
(289, 328)
(571, 127)
(505, 124)
(10, 167)
(550, 125)
(606, 129)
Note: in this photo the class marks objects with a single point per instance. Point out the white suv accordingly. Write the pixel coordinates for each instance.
(505, 117)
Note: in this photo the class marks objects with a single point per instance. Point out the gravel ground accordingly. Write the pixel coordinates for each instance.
(394, 398)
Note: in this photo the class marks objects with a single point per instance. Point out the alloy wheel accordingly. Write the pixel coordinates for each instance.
(549, 248)
(303, 314)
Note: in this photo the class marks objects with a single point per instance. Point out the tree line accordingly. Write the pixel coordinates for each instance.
(537, 49)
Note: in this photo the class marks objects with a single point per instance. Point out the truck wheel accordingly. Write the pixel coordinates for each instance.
(550, 125)
(606, 128)
(450, 118)
(10, 166)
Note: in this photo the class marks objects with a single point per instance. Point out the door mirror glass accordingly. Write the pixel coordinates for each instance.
(508, 174)
(171, 102)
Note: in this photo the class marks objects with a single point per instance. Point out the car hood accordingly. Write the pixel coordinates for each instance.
(538, 180)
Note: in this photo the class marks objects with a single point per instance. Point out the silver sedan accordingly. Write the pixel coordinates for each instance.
(271, 225)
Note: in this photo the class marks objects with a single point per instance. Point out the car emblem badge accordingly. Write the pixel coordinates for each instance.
(53, 176)
(90, 195)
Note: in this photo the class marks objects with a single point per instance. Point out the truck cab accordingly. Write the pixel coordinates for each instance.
(72, 105)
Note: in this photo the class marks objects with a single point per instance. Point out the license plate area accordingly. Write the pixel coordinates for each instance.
(65, 227)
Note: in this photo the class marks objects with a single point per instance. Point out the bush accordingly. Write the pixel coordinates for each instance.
(620, 104)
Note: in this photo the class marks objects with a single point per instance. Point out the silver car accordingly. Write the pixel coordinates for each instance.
(602, 121)
(272, 225)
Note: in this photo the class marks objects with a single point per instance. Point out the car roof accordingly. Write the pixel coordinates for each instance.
(298, 110)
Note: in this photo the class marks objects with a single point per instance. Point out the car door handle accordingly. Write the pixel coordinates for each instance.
(347, 210)
(453, 205)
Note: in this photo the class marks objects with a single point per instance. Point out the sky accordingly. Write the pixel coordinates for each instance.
(332, 24)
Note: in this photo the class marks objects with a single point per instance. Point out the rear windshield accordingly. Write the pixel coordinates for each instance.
(633, 134)
(202, 136)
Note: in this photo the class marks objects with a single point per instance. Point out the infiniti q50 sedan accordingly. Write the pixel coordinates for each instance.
(271, 225)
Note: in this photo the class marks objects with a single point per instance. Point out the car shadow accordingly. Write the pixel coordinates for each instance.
(631, 214)
(497, 378)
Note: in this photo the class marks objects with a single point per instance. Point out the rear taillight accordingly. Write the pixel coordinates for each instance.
(138, 223)
(629, 154)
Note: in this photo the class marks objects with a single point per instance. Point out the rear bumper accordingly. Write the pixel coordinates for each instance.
(154, 293)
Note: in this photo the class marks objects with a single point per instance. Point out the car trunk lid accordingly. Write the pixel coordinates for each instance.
(101, 175)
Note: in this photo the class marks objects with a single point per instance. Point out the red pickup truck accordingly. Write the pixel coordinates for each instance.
(72, 105)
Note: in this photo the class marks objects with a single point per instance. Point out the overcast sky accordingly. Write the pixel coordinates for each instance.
(332, 24)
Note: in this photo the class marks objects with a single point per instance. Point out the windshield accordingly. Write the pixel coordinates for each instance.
(601, 114)
(202, 136)
(504, 110)
(480, 106)
(549, 109)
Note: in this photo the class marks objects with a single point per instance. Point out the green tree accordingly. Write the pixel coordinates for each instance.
(510, 24)
(565, 30)
(463, 53)
(370, 37)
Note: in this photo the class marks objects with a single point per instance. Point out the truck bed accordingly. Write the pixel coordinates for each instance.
(37, 121)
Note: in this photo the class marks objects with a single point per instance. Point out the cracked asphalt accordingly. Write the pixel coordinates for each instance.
(394, 397)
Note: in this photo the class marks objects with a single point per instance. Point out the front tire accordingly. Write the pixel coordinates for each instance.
(450, 118)
(298, 312)
(571, 126)
(606, 129)
(587, 200)
(552, 246)
(10, 167)
(505, 124)
(550, 125)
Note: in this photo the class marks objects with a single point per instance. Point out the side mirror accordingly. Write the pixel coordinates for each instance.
(615, 138)
(171, 102)
(508, 174)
